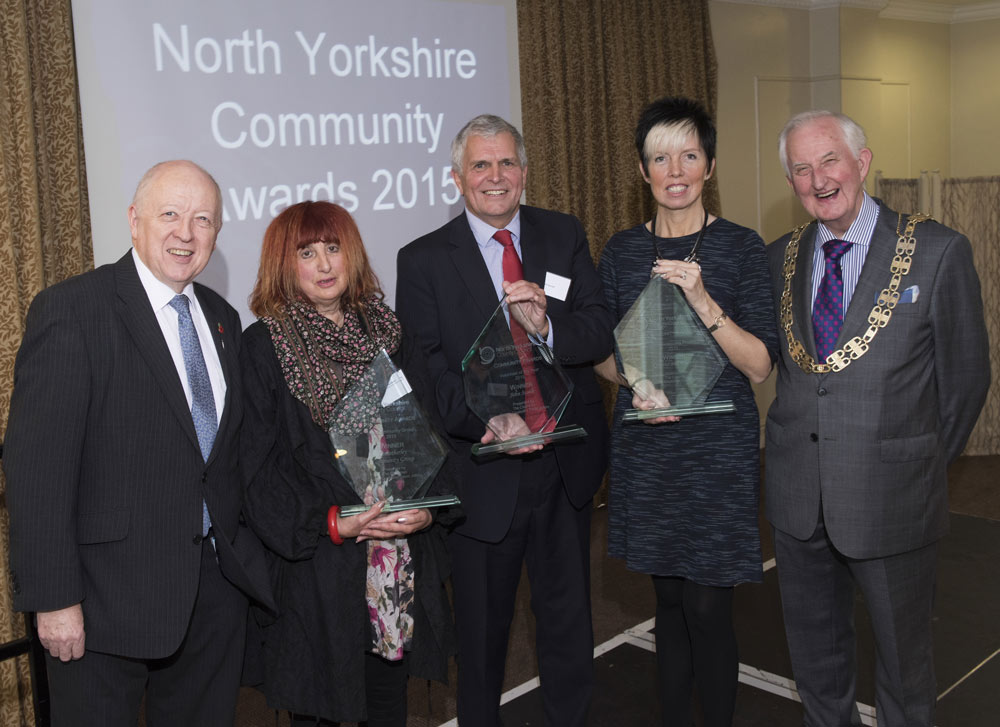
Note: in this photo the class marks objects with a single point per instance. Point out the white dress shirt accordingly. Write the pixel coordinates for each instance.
(160, 296)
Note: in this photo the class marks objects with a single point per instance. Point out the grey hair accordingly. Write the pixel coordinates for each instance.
(853, 134)
(488, 126)
(154, 171)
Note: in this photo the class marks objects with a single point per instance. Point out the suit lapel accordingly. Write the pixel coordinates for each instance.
(140, 321)
(533, 251)
(471, 268)
(802, 290)
(874, 276)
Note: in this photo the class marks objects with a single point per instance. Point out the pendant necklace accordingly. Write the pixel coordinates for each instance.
(691, 257)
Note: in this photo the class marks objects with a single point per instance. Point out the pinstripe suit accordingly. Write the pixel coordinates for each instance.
(856, 468)
(105, 479)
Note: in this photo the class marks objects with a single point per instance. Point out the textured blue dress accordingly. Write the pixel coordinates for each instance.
(684, 495)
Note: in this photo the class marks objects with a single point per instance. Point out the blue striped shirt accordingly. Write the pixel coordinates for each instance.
(860, 234)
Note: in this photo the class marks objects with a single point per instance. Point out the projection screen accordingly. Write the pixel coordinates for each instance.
(354, 102)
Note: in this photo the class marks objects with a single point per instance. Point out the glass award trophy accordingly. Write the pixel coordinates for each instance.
(383, 444)
(514, 384)
(668, 356)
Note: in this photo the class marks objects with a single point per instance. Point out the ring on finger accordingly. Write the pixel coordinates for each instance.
(684, 276)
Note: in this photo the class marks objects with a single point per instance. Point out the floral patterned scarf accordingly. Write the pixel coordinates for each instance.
(320, 362)
(389, 597)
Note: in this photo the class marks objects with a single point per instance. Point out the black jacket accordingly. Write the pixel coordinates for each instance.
(444, 296)
(312, 654)
(105, 478)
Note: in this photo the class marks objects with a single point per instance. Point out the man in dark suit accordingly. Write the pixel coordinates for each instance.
(531, 507)
(122, 476)
(883, 371)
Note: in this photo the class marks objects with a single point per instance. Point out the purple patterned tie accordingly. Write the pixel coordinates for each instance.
(828, 310)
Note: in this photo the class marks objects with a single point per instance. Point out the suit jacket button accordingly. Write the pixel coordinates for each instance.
(814, 437)
(196, 539)
(821, 391)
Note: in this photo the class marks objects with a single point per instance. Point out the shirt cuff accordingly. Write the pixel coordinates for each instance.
(548, 339)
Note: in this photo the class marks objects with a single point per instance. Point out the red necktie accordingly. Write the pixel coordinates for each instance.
(535, 415)
(828, 310)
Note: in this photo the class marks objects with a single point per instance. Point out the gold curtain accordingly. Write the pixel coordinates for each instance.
(44, 225)
(972, 206)
(588, 67)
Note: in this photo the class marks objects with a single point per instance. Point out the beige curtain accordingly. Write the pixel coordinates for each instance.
(972, 206)
(587, 69)
(901, 195)
(44, 225)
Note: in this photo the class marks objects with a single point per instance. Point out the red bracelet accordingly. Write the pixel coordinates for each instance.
(331, 525)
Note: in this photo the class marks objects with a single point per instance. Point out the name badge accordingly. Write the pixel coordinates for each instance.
(397, 388)
(556, 286)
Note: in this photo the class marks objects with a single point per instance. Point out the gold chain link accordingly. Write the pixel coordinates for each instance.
(879, 317)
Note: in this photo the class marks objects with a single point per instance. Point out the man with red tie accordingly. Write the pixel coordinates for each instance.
(530, 507)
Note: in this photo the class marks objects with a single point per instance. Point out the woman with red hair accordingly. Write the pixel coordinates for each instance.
(361, 599)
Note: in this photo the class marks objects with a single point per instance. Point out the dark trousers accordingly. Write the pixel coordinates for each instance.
(695, 646)
(196, 686)
(817, 596)
(553, 538)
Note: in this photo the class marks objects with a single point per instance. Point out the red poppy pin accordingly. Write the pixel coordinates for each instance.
(221, 332)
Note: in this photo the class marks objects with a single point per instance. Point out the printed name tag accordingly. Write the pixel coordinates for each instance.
(556, 286)
(398, 388)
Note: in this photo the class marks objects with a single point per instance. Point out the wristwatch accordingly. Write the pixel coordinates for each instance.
(720, 321)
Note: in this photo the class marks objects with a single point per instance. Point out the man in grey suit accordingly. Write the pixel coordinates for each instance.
(123, 481)
(883, 371)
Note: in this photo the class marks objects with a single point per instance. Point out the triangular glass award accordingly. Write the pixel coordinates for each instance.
(668, 356)
(383, 443)
(516, 388)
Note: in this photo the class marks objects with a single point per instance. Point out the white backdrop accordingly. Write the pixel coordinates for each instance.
(355, 102)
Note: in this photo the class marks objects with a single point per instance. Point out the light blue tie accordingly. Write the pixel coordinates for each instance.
(206, 425)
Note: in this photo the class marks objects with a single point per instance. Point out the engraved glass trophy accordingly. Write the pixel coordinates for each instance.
(514, 384)
(383, 444)
(668, 356)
